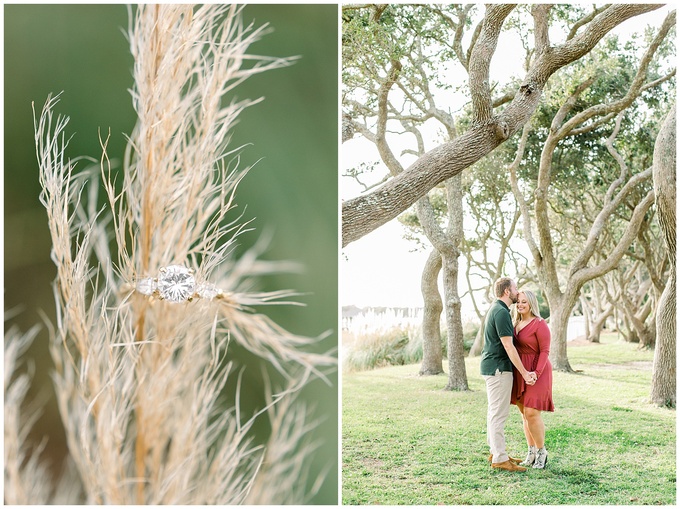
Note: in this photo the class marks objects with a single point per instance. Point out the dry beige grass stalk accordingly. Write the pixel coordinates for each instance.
(139, 380)
(27, 480)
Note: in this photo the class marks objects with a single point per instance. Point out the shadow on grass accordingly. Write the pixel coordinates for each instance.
(620, 378)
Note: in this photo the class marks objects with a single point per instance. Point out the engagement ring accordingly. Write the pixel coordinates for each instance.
(177, 283)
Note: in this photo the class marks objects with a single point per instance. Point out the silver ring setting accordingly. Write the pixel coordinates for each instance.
(176, 283)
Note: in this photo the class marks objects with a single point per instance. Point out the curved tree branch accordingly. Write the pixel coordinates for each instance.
(521, 201)
(386, 154)
(634, 89)
(364, 214)
(541, 13)
(610, 262)
(604, 215)
(585, 20)
(480, 61)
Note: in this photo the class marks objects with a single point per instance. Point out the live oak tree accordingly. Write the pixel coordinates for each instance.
(664, 168)
(391, 77)
(489, 246)
(631, 291)
(577, 115)
(386, 58)
(447, 244)
(375, 42)
(640, 286)
(482, 118)
(489, 127)
(627, 296)
(597, 309)
(627, 300)
(633, 300)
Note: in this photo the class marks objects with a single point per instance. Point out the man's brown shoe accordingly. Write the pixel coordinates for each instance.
(514, 460)
(508, 465)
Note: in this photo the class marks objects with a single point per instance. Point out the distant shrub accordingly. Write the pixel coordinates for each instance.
(378, 339)
(393, 347)
(470, 330)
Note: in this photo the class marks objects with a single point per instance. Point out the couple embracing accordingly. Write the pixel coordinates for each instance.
(516, 370)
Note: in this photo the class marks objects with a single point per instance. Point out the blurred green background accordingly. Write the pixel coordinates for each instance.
(81, 49)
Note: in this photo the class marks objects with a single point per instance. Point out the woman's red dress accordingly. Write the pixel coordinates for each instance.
(533, 346)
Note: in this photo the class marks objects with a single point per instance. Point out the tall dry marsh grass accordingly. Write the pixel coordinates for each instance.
(140, 382)
(390, 337)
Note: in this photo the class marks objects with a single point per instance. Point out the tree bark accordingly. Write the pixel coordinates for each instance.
(446, 243)
(364, 214)
(645, 333)
(432, 311)
(598, 323)
(607, 306)
(478, 345)
(663, 391)
(561, 304)
(560, 311)
(587, 315)
(562, 126)
(454, 323)
(456, 354)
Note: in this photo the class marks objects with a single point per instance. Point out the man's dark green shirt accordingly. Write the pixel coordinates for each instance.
(498, 324)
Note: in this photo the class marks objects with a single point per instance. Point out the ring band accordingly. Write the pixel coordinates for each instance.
(176, 283)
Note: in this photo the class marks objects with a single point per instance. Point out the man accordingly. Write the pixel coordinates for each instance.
(498, 357)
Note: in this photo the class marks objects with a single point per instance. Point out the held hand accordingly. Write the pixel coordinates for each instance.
(530, 377)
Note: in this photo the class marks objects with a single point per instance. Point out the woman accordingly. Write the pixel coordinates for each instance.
(532, 340)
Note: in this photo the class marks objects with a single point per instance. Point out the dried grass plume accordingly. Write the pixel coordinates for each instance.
(141, 381)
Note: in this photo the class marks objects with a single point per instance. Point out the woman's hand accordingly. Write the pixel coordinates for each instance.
(530, 377)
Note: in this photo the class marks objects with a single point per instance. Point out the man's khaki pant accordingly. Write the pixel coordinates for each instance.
(498, 389)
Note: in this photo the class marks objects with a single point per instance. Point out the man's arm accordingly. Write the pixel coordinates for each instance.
(529, 377)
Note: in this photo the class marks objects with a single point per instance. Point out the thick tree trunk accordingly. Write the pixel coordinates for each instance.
(626, 331)
(450, 252)
(644, 333)
(447, 244)
(598, 323)
(454, 325)
(560, 311)
(665, 159)
(478, 345)
(663, 391)
(432, 311)
(648, 335)
(587, 314)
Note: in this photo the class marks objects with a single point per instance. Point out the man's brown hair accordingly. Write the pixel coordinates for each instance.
(502, 284)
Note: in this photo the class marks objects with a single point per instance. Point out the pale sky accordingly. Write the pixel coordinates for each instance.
(380, 269)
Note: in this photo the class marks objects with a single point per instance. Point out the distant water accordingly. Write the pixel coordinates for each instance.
(380, 319)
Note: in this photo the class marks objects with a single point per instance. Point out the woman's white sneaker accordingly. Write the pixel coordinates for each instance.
(531, 456)
(541, 458)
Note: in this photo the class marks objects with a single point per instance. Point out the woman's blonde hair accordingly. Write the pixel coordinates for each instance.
(533, 306)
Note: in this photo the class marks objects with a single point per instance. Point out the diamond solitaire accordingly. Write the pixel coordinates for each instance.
(176, 283)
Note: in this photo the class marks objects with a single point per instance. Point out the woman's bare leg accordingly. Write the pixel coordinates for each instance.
(527, 431)
(533, 421)
(533, 450)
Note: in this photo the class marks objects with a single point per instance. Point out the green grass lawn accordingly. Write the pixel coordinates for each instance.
(407, 441)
